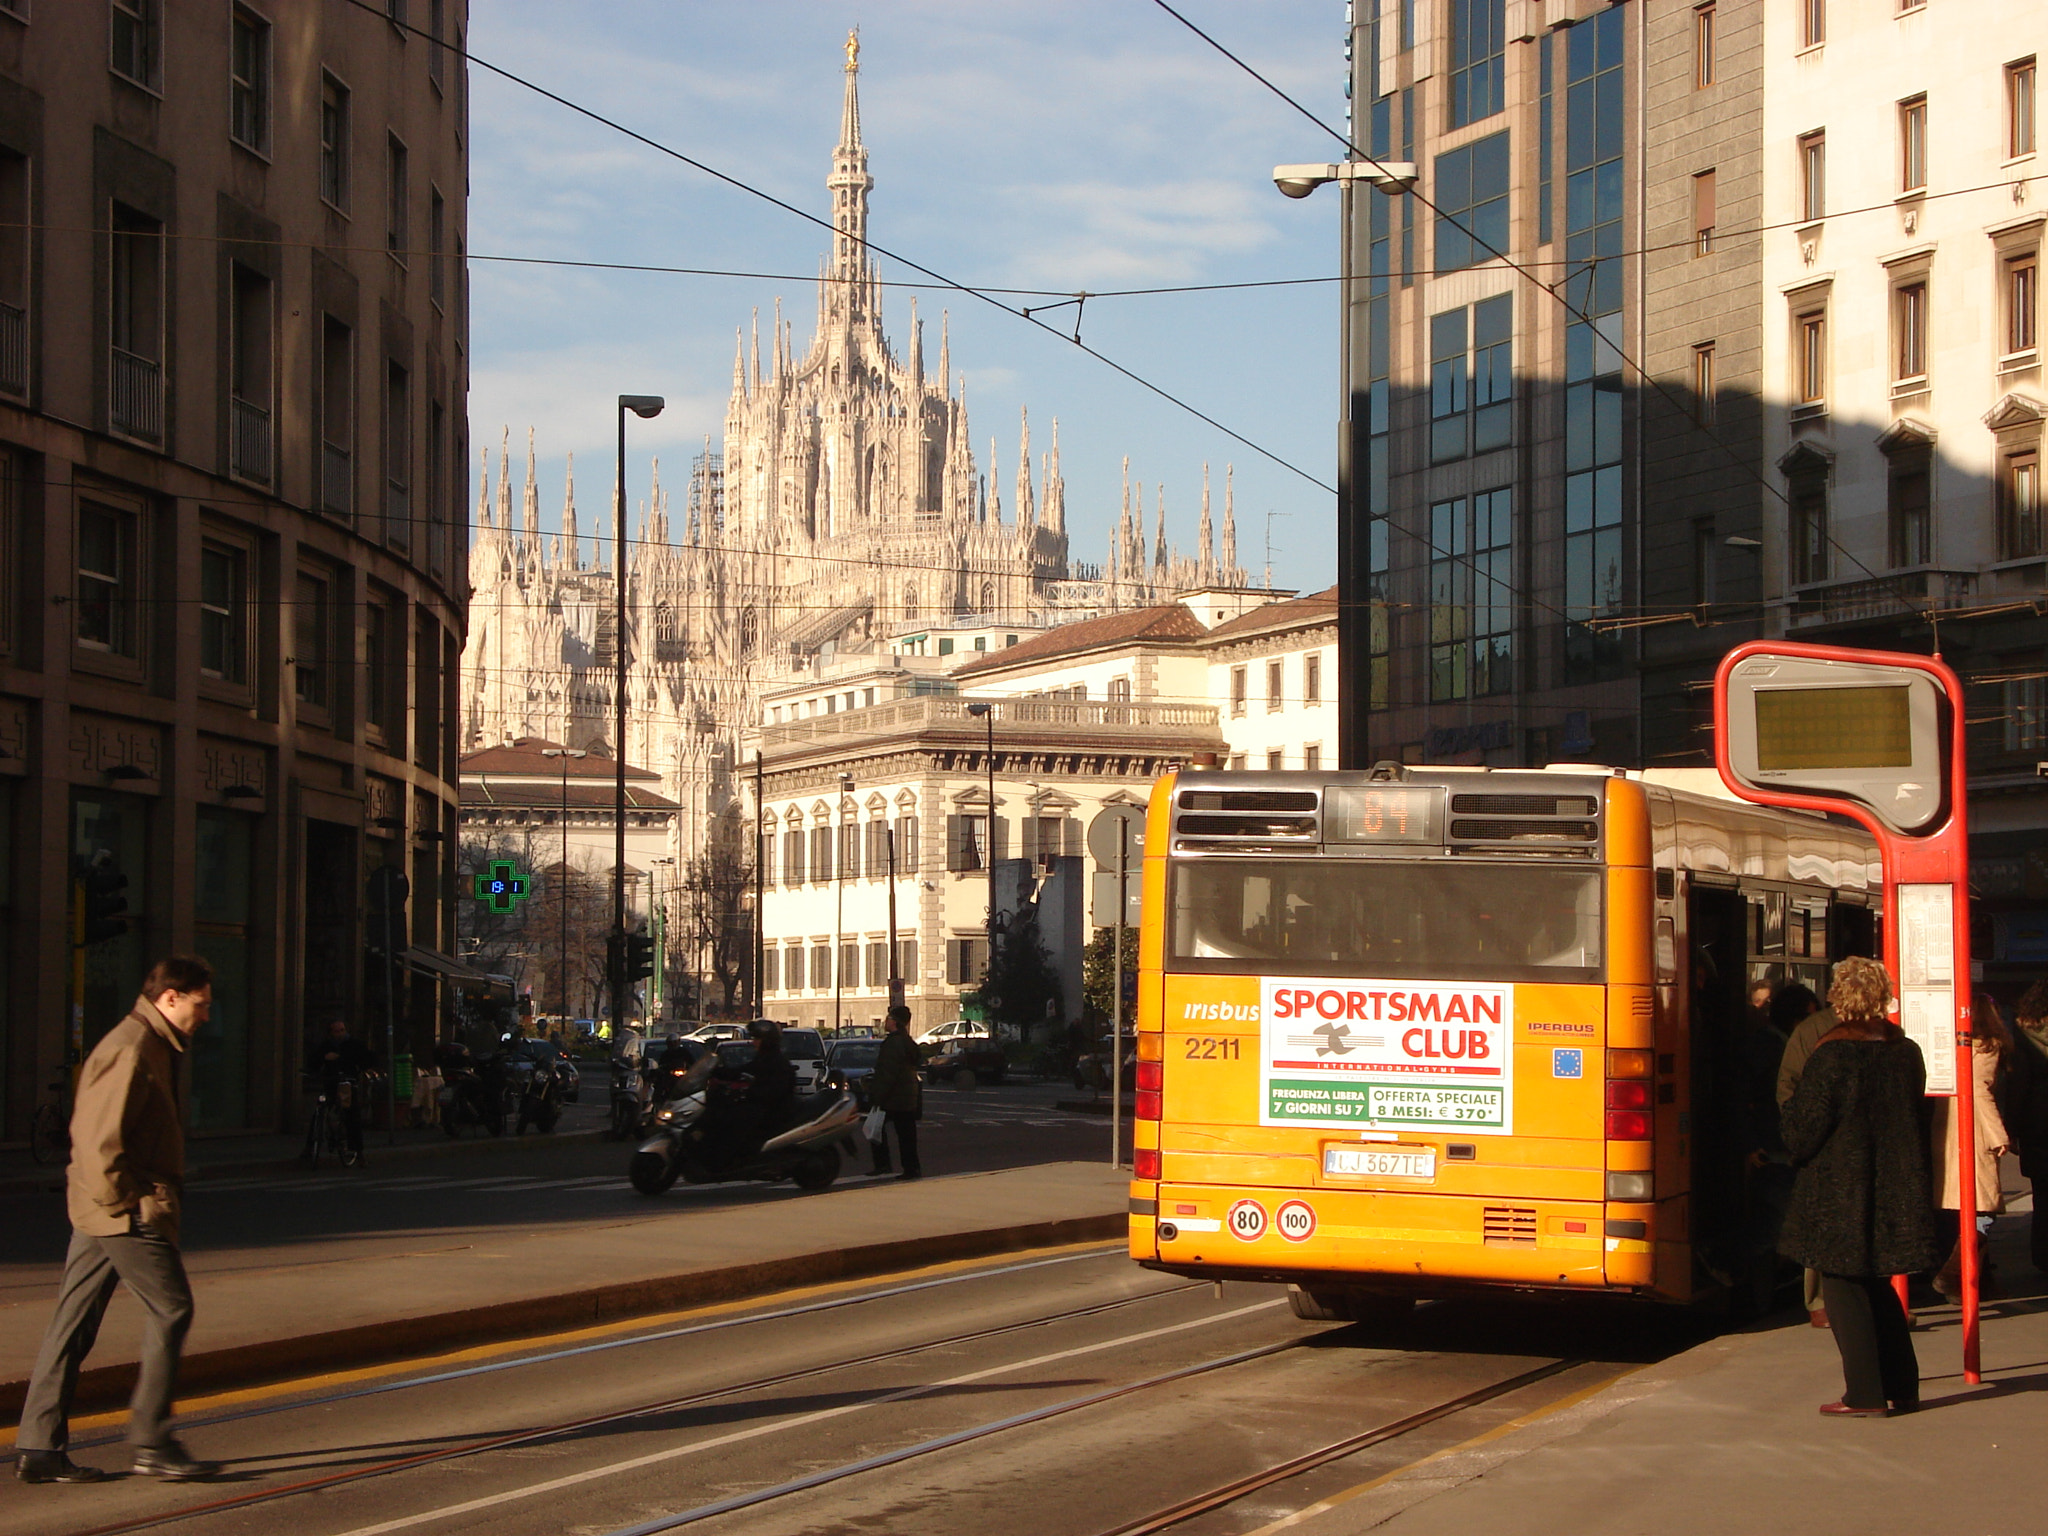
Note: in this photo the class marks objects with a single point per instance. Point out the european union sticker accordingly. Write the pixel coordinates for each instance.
(1567, 1061)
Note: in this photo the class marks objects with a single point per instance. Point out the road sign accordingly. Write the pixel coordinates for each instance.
(1102, 898)
(1102, 835)
(1877, 736)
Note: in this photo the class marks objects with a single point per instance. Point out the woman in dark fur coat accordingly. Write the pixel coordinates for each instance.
(1863, 1207)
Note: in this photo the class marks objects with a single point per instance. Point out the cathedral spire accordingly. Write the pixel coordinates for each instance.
(850, 184)
(1208, 533)
(483, 489)
(1027, 510)
(572, 544)
(1159, 541)
(739, 363)
(995, 485)
(1055, 487)
(505, 481)
(945, 351)
(1230, 570)
(916, 347)
(756, 385)
(529, 509)
(781, 350)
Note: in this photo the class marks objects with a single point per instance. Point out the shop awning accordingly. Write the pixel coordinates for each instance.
(434, 963)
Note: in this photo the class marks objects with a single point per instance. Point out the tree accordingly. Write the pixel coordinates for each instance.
(1020, 978)
(1098, 972)
(713, 915)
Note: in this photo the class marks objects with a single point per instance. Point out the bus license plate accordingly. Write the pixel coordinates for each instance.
(1379, 1162)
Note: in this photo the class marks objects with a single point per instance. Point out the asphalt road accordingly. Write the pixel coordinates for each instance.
(849, 1390)
(528, 1182)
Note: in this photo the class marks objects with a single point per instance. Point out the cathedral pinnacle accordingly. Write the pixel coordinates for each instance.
(572, 545)
(1229, 528)
(1208, 536)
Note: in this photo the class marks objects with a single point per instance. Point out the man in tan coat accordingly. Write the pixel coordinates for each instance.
(123, 1191)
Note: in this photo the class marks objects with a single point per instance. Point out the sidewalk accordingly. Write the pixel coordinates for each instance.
(1724, 1440)
(261, 1319)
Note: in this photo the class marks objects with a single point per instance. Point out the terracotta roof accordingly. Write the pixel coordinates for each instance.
(1169, 621)
(1316, 608)
(520, 796)
(523, 759)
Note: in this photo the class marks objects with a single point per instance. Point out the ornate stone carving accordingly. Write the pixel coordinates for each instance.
(228, 764)
(96, 744)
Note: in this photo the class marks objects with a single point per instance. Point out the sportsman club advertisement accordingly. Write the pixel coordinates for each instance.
(1424, 1056)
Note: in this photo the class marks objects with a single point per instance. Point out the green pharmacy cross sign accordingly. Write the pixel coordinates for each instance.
(503, 886)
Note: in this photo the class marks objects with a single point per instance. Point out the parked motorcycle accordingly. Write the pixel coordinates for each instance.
(805, 1150)
(537, 1082)
(629, 1077)
(472, 1091)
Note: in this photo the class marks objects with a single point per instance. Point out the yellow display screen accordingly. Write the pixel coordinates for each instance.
(1834, 728)
(1382, 814)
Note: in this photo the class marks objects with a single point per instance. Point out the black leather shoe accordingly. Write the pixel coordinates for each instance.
(170, 1462)
(54, 1467)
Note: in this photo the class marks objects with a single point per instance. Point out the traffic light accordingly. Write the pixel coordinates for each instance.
(106, 909)
(639, 957)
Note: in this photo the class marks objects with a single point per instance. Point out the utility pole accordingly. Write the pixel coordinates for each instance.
(839, 851)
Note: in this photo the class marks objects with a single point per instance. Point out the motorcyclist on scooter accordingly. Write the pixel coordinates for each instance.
(336, 1056)
(749, 1102)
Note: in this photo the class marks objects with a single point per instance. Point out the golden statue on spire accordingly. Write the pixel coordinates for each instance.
(853, 50)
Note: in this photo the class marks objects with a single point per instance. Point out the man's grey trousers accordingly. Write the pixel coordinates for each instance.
(154, 1271)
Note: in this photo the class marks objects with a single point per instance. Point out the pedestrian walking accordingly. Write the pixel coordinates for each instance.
(123, 1192)
(1862, 1206)
(1990, 1045)
(2029, 1100)
(896, 1087)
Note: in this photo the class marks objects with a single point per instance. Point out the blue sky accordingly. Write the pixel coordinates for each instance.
(1067, 146)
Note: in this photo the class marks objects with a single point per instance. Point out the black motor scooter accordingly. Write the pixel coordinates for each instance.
(472, 1091)
(804, 1150)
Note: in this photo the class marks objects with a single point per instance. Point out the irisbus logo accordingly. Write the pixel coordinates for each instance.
(1437, 1006)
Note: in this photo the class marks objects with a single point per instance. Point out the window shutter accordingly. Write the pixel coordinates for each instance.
(998, 841)
(796, 969)
(907, 964)
(849, 966)
(769, 967)
(849, 849)
(1071, 839)
(821, 965)
(956, 842)
(906, 844)
(821, 854)
(1030, 831)
(793, 858)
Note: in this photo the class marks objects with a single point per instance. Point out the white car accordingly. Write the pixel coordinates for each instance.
(953, 1029)
(805, 1050)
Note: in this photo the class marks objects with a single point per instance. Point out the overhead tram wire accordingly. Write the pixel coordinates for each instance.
(1523, 271)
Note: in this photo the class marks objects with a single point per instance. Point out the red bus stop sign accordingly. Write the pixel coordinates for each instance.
(1877, 736)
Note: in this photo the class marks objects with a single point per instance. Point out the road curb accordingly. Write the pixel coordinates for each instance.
(250, 1365)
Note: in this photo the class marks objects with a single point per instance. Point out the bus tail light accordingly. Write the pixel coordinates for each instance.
(1628, 1125)
(1148, 1105)
(1628, 1093)
(1151, 1076)
(1145, 1163)
(1634, 1188)
(1631, 1063)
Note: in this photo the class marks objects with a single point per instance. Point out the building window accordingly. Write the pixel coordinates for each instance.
(337, 418)
(437, 65)
(1596, 128)
(223, 594)
(1813, 23)
(437, 503)
(1909, 332)
(1811, 358)
(1237, 762)
(437, 244)
(1119, 690)
(1275, 687)
(334, 142)
(878, 963)
(967, 843)
(2019, 109)
(2022, 302)
(1478, 59)
(793, 968)
(1471, 188)
(1813, 176)
(135, 379)
(384, 669)
(250, 353)
(793, 856)
(849, 966)
(906, 844)
(1703, 62)
(395, 197)
(14, 247)
(1703, 213)
(2026, 714)
(1447, 385)
(249, 82)
(877, 861)
(1312, 757)
(821, 855)
(1703, 383)
(849, 850)
(1492, 373)
(311, 625)
(821, 966)
(1909, 504)
(1312, 678)
(2019, 523)
(1276, 760)
(397, 456)
(135, 42)
(1913, 145)
(1238, 686)
(1806, 494)
(107, 585)
(771, 969)
(1546, 135)
(1471, 616)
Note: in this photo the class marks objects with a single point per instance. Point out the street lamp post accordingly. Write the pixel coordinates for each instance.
(987, 712)
(657, 920)
(562, 894)
(839, 901)
(646, 407)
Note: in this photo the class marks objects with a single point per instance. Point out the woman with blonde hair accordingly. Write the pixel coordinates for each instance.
(1862, 1209)
(1991, 1044)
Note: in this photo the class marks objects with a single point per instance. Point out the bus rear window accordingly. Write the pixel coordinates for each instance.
(1379, 918)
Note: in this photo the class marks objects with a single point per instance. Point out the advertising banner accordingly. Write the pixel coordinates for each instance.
(1426, 1056)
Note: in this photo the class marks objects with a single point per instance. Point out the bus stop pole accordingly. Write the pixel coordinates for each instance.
(1116, 1034)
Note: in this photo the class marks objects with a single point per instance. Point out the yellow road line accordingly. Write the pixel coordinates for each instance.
(459, 1357)
(1323, 1506)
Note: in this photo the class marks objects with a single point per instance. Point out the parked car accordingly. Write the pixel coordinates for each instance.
(718, 1034)
(966, 1061)
(854, 1061)
(805, 1049)
(952, 1029)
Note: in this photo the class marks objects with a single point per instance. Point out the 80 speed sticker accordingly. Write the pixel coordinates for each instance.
(1246, 1221)
(1296, 1221)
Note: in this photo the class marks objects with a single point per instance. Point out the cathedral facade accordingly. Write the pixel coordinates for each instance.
(844, 505)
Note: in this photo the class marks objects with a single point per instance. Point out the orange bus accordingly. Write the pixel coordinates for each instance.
(1415, 1031)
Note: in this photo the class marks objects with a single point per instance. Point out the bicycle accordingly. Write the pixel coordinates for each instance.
(49, 1132)
(326, 1128)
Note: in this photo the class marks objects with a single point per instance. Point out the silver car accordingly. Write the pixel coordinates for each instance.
(805, 1050)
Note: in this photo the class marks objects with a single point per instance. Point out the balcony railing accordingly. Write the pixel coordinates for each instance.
(337, 481)
(248, 440)
(13, 349)
(1881, 597)
(1059, 720)
(136, 395)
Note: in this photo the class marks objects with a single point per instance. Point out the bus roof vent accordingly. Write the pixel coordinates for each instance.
(1523, 805)
(1236, 816)
(1551, 823)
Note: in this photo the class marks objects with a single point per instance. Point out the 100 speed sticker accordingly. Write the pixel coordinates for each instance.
(1296, 1220)
(1246, 1221)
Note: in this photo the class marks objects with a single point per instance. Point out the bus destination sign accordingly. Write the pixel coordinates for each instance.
(1386, 1055)
(1383, 813)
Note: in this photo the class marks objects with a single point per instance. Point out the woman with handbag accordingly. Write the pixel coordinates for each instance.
(896, 1093)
